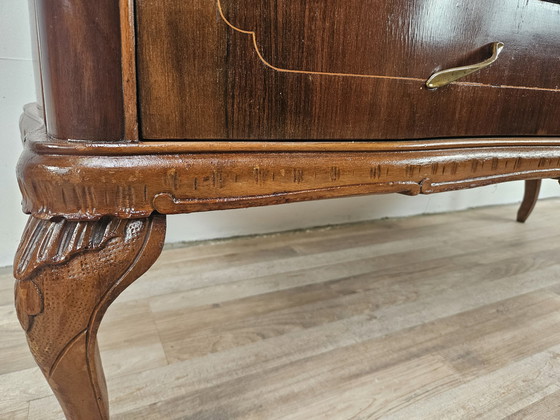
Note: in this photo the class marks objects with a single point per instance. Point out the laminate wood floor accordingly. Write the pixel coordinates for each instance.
(450, 316)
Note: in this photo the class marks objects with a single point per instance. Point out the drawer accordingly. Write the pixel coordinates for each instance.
(340, 69)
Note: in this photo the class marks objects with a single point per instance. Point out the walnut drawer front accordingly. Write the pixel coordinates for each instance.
(345, 69)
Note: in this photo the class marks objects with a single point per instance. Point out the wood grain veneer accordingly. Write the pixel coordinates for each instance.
(401, 39)
(80, 53)
(308, 70)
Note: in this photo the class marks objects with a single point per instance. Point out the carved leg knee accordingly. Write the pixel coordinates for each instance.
(67, 274)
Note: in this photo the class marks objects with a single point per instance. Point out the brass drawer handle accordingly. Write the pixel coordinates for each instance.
(444, 77)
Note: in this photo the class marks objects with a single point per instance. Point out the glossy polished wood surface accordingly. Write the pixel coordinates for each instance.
(346, 70)
(80, 51)
(403, 38)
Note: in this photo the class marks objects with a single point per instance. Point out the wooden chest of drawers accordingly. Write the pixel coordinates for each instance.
(156, 107)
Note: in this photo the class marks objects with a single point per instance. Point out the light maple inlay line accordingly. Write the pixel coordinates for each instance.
(317, 73)
(368, 76)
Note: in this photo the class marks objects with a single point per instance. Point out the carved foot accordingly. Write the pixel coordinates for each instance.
(532, 189)
(67, 275)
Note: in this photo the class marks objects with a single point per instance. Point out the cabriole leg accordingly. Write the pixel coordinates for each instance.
(532, 189)
(67, 274)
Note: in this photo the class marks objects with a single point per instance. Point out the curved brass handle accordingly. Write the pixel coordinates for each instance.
(444, 77)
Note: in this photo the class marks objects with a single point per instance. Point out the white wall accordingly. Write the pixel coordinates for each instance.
(17, 88)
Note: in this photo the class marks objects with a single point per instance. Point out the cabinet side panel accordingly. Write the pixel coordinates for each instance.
(80, 54)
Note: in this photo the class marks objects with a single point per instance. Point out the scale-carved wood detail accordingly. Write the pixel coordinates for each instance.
(67, 274)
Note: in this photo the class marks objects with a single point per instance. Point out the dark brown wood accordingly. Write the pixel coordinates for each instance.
(311, 70)
(80, 52)
(532, 189)
(397, 38)
(68, 273)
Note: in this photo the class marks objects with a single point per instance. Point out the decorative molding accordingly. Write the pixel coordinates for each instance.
(82, 182)
(90, 187)
(63, 147)
(168, 204)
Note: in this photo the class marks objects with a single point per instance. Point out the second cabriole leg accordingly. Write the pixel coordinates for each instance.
(532, 189)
